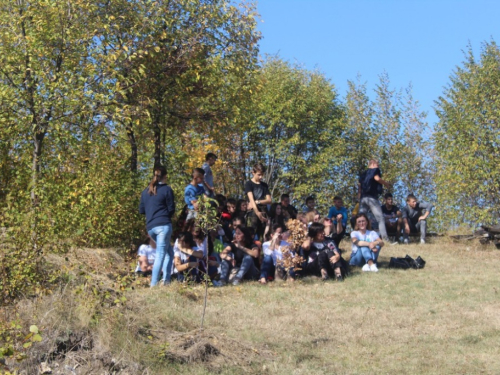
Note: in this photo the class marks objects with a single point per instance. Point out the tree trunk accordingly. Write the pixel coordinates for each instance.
(157, 143)
(133, 149)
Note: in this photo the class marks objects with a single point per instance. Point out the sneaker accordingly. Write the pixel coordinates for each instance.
(401, 239)
(394, 243)
(405, 241)
(216, 283)
(422, 241)
(339, 278)
(236, 282)
(324, 275)
(366, 268)
(374, 268)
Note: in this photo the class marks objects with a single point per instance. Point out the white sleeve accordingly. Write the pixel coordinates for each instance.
(142, 252)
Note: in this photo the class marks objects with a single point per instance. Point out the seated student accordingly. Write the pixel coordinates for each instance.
(272, 254)
(240, 253)
(241, 210)
(193, 191)
(338, 213)
(366, 245)
(201, 244)
(310, 205)
(289, 211)
(392, 215)
(332, 231)
(186, 258)
(277, 214)
(415, 216)
(146, 254)
(322, 257)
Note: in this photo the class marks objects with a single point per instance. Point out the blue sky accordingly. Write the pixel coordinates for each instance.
(413, 41)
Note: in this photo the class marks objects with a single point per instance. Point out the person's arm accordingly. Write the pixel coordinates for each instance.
(344, 217)
(253, 205)
(428, 208)
(170, 202)
(225, 254)
(371, 245)
(208, 186)
(253, 252)
(307, 244)
(142, 207)
(183, 267)
(144, 264)
(267, 200)
(191, 252)
(382, 182)
(340, 228)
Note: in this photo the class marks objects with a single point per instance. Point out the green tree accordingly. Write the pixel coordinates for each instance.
(467, 140)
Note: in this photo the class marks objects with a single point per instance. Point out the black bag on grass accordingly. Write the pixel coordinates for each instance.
(407, 262)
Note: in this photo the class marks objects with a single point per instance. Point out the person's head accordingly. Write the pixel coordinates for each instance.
(186, 240)
(237, 221)
(231, 205)
(388, 199)
(221, 199)
(276, 210)
(159, 175)
(258, 171)
(317, 232)
(302, 217)
(197, 233)
(362, 222)
(242, 235)
(198, 175)
(285, 200)
(373, 163)
(337, 201)
(241, 205)
(310, 202)
(411, 201)
(210, 158)
(277, 229)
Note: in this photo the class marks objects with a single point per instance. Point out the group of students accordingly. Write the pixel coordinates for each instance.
(252, 236)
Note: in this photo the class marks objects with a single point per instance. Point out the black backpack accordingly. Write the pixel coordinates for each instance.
(407, 262)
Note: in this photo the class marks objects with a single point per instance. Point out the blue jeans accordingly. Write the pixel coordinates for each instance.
(247, 269)
(267, 267)
(164, 253)
(363, 255)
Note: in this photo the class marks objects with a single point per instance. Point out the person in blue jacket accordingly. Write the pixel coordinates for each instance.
(158, 204)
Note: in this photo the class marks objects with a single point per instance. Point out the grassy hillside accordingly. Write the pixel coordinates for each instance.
(443, 319)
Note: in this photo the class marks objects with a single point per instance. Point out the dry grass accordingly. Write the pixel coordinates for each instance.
(444, 319)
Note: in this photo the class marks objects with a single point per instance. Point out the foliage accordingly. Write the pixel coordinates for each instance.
(467, 140)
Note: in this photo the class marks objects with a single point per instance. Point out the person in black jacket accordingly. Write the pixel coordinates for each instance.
(158, 204)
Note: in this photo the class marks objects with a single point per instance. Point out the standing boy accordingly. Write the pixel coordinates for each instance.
(210, 160)
(369, 189)
(415, 217)
(259, 197)
(193, 191)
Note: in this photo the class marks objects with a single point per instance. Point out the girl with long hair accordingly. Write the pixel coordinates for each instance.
(366, 245)
(158, 204)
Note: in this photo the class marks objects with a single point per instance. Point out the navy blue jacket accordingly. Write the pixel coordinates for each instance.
(158, 208)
